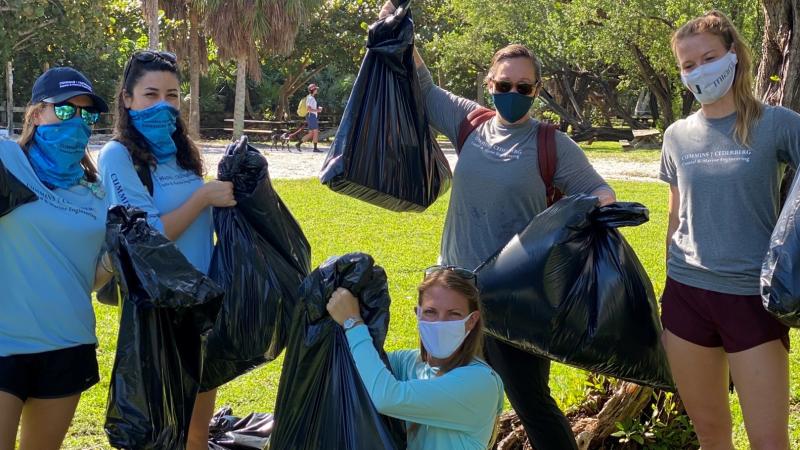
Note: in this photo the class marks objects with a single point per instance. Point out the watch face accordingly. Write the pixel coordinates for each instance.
(348, 323)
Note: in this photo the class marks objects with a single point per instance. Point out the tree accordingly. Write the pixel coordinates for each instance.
(188, 41)
(777, 82)
(241, 27)
(36, 34)
(150, 12)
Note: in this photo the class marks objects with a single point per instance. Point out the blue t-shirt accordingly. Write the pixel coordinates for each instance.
(172, 187)
(49, 251)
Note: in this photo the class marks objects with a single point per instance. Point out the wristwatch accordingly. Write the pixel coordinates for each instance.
(351, 322)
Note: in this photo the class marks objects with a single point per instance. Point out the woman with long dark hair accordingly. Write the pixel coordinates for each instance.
(153, 165)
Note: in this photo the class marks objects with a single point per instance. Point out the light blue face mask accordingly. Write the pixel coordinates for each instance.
(56, 152)
(157, 123)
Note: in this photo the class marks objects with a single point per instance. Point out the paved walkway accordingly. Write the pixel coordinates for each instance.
(284, 164)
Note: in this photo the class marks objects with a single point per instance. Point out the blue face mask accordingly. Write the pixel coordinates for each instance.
(56, 152)
(512, 106)
(157, 123)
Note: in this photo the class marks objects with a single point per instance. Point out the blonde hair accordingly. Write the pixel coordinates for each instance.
(748, 107)
(472, 347)
(29, 129)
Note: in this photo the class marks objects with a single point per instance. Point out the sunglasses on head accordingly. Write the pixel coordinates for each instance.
(460, 271)
(146, 56)
(503, 86)
(66, 111)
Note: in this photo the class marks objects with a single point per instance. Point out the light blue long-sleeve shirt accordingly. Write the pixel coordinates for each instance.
(49, 250)
(454, 411)
(172, 187)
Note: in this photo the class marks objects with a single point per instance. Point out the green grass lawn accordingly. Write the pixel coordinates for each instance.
(403, 244)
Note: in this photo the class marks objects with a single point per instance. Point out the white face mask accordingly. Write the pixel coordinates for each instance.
(710, 82)
(442, 339)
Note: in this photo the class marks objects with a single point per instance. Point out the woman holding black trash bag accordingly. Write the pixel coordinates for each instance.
(50, 258)
(449, 396)
(153, 165)
(723, 164)
(497, 190)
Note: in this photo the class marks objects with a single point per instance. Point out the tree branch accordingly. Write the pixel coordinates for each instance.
(27, 36)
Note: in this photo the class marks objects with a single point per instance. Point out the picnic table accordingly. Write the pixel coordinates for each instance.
(643, 139)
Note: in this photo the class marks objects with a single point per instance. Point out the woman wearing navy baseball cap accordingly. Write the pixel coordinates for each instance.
(50, 257)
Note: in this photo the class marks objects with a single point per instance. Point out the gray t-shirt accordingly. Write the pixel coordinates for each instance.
(729, 201)
(497, 188)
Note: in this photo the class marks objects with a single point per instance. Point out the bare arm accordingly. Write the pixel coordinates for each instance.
(214, 193)
(673, 220)
(103, 272)
(606, 195)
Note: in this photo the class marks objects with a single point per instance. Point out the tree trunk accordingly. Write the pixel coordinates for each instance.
(241, 88)
(10, 96)
(687, 100)
(194, 75)
(658, 84)
(777, 82)
(612, 100)
(151, 17)
(480, 75)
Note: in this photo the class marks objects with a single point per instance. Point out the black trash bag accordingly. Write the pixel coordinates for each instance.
(12, 192)
(168, 308)
(384, 151)
(227, 432)
(322, 403)
(570, 288)
(260, 259)
(780, 272)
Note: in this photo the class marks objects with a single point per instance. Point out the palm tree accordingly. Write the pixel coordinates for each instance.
(189, 43)
(241, 28)
(150, 12)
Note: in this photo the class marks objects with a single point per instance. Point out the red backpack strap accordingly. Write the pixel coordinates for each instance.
(475, 117)
(548, 160)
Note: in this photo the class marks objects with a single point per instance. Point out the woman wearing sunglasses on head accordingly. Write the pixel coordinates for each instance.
(153, 165)
(724, 165)
(450, 398)
(50, 258)
(497, 189)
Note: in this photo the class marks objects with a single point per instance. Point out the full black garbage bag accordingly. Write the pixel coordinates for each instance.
(570, 288)
(260, 259)
(168, 307)
(322, 403)
(384, 152)
(228, 432)
(780, 272)
(12, 192)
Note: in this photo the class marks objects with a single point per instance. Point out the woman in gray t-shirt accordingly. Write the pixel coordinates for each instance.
(724, 165)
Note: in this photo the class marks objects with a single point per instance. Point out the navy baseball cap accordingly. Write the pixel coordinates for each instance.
(62, 83)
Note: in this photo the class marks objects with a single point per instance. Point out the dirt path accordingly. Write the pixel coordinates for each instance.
(291, 165)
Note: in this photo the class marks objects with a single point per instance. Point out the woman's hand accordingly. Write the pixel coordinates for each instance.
(343, 305)
(218, 193)
(387, 10)
(605, 195)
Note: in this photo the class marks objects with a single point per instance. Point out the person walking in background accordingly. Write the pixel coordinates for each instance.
(312, 118)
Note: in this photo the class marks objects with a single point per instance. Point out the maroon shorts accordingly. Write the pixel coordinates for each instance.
(713, 319)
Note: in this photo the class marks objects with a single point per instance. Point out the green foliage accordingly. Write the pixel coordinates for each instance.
(665, 427)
